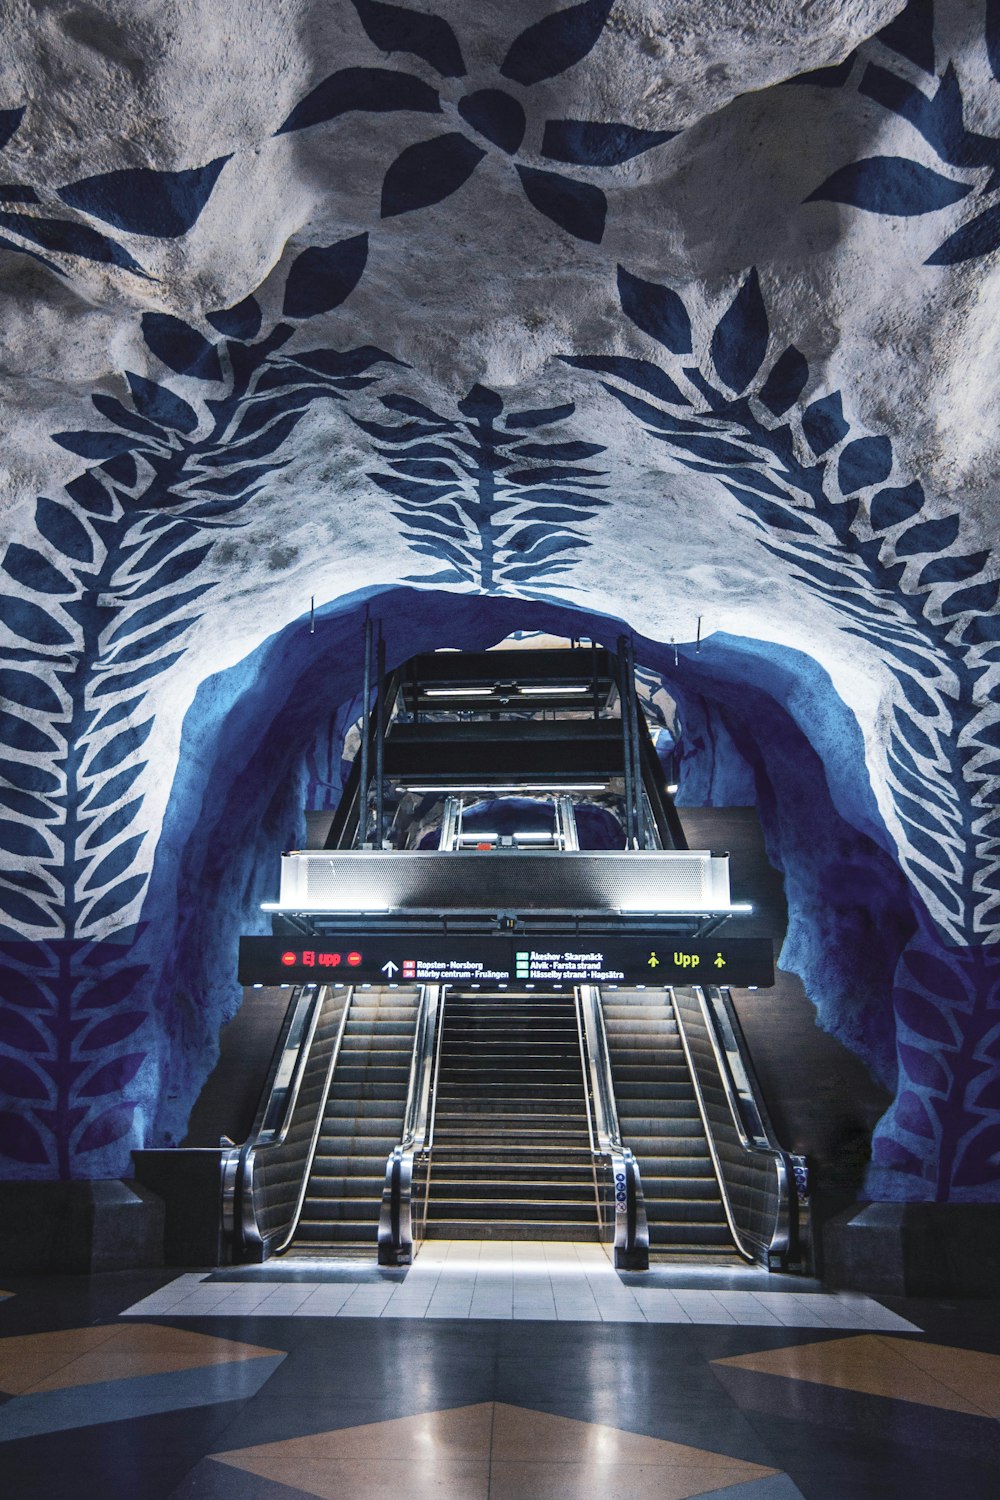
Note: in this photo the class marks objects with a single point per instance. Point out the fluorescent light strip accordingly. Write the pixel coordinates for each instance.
(521, 786)
(549, 692)
(468, 692)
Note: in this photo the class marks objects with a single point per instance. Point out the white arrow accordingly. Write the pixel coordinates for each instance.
(390, 968)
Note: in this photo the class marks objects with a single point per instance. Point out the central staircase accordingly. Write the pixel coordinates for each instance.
(511, 1155)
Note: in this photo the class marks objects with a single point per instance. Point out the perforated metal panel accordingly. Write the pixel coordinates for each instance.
(374, 880)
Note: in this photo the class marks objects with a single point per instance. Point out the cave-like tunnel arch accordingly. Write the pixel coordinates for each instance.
(238, 800)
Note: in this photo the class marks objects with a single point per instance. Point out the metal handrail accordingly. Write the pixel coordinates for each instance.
(395, 1229)
(766, 1157)
(265, 1147)
(293, 1223)
(238, 1163)
(631, 1230)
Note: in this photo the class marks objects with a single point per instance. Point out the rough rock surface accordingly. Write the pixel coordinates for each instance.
(677, 315)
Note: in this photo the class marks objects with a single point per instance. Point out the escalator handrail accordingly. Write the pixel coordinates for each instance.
(395, 1230)
(762, 1148)
(595, 1039)
(293, 1223)
(237, 1208)
(631, 1229)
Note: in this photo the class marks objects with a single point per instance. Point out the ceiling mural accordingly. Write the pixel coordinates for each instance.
(680, 316)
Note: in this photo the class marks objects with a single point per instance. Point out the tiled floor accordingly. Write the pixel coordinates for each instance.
(508, 1281)
(491, 1373)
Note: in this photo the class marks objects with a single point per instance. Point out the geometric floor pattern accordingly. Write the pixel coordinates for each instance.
(485, 1373)
(494, 1451)
(960, 1380)
(81, 1377)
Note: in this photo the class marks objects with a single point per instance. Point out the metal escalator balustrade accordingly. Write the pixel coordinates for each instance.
(361, 1122)
(756, 1176)
(659, 1118)
(262, 1181)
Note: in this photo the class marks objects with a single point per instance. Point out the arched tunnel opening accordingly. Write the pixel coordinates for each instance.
(760, 726)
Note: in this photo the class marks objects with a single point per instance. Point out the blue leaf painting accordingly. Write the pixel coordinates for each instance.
(785, 382)
(992, 37)
(324, 276)
(953, 569)
(20, 1141)
(29, 690)
(116, 899)
(21, 1081)
(641, 373)
(118, 749)
(495, 116)
(371, 90)
(468, 498)
(395, 28)
(239, 322)
(892, 506)
(928, 536)
(864, 462)
(180, 347)
(979, 237)
(26, 620)
(592, 143)
(10, 119)
(428, 172)
(657, 310)
(106, 1128)
(160, 404)
(141, 200)
(33, 571)
(67, 237)
(911, 33)
(890, 185)
(578, 207)
(823, 423)
(16, 249)
(22, 734)
(741, 336)
(555, 43)
(67, 533)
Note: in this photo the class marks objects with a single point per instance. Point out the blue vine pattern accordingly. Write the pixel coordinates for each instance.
(100, 608)
(856, 533)
(897, 185)
(432, 169)
(495, 503)
(137, 200)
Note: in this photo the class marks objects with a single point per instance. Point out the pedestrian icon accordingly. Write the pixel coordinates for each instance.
(720, 962)
(653, 962)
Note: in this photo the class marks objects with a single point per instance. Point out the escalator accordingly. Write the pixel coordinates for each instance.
(432, 1110)
(659, 1119)
(361, 1122)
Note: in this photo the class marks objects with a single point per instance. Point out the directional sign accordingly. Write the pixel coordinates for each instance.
(610, 958)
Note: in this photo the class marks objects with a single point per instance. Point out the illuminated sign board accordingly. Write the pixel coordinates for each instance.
(504, 959)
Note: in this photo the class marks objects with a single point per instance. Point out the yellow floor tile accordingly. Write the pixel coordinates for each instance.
(587, 1481)
(83, 1356)
(505, 1450)
(369, 1478)
(969, 1373)
(869, 1364)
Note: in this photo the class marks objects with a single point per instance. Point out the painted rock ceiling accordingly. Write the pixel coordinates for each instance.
(668, 312)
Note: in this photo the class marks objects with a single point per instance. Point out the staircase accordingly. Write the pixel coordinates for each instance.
(362, 1122)
(511, 1157)
(658, 1118)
